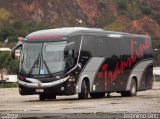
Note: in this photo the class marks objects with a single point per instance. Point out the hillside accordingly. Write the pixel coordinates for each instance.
(20, 17)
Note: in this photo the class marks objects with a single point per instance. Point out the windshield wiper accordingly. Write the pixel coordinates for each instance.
(49, 72)
(33, 66)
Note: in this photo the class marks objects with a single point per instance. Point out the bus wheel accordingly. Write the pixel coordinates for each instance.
(97, 95)
(133, 89)
(41, 97)
(84, 91)
(124, 94)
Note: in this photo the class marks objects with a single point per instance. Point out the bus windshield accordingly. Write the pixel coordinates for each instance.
(42, 58)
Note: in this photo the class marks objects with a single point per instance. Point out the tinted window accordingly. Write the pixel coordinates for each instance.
(102, 46)
(106, 47)
(89, 45)
(139, 43)
(124, 47)
(113, 47)
(76, 40)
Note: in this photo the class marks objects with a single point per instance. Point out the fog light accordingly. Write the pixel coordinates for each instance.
(72, 78)
(76, 87)
(94, 87)
(62, 88)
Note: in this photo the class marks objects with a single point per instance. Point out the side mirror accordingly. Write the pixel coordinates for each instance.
(13, 52)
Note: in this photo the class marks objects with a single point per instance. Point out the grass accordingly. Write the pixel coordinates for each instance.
(8, 85)
(157, 78)
(115, 26)
(4, 14)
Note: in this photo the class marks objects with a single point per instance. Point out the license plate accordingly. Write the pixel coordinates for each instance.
(39, 90)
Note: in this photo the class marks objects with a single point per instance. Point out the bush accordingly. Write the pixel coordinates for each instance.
(121, 4)
(9, 85)
(8, 63)
(4, 14)
(156, 16)
(105, 21)
(19, 28)
(115, 26)
(146, 10)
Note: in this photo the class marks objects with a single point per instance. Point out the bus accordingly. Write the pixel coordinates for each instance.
(84, 61)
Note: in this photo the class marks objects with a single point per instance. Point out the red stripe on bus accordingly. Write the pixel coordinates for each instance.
(45, 37)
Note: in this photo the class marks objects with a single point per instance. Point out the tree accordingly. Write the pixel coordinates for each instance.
(121, 4)
(8, 63)
(146, 10)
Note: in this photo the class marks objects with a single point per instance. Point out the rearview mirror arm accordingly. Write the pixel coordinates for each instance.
(14, 49)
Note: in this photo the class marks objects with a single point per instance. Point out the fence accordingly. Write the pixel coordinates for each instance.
(156, 73)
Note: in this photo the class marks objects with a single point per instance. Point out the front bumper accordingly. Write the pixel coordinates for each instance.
(51, 90)
(42, 85)
(58, 87)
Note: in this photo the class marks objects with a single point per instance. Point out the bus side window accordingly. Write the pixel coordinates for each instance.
(71, 51)
(124, 47)
(76, 39)
(89, 46)
(101, 46)
(70, 59)
(107, 47)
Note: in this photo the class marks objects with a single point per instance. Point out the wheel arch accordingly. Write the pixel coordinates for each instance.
(137, 72)
(133, 77)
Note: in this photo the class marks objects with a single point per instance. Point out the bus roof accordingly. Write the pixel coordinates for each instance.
(67, 31)
(64, 31)
(60, 33)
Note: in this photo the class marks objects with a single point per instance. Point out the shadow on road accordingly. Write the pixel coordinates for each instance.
(76, 99)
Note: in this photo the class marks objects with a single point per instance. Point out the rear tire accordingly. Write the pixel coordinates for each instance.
(124, 94)
(97, 95)
(133, 89)
(84, 91)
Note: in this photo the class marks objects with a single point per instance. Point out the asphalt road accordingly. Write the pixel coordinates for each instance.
(145, 102)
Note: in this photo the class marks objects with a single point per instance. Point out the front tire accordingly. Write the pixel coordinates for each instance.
(42, 97)
(97, 95)
(132, 91)
(84, 91)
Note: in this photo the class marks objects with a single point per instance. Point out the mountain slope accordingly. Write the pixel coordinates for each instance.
(138, 16)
